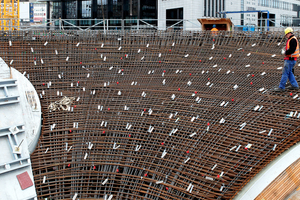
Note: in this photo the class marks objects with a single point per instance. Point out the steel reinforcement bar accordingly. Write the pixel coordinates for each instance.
(155, 115)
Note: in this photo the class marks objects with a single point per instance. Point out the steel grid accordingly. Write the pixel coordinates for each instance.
(151, 104)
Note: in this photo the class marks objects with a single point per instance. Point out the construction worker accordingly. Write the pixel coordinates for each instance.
(291, 53)
(214, 30)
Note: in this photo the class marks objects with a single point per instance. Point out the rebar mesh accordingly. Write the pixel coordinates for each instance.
(156, 115)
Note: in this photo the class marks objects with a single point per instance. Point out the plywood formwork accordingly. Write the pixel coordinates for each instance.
(155, 115)
(285, 184)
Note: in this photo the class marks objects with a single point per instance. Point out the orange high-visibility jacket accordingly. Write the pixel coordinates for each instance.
(296, 53)
(214, 31)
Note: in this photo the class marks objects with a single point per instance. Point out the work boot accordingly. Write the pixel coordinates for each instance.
(278, 90)
(290, 87)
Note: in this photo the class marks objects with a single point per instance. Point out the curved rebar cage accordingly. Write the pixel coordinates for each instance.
(156, 115)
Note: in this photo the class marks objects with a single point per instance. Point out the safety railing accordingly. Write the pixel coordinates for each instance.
(137, 24)
(106, 24)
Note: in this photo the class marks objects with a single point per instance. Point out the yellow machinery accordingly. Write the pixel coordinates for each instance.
(9, 15)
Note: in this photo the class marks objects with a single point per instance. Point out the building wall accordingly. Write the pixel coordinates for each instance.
(39, 12)
(193, 9)
(283, 13)
(113, 10)
(24, 11)
(234, 5)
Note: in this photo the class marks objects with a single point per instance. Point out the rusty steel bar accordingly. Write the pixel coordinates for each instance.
(156, 115)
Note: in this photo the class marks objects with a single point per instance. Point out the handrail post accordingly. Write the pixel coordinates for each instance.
(59, 23)
(268, 16)
(104, 22)
(107, 24)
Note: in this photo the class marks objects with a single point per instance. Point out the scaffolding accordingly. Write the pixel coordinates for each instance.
(9, 15)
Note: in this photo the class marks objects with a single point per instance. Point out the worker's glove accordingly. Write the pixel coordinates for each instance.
(283, 51)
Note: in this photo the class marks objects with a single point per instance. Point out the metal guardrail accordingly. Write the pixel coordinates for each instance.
(106, 24)
(133, 24)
